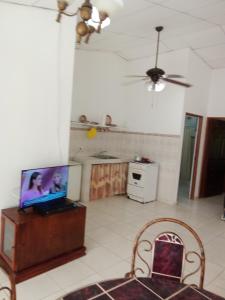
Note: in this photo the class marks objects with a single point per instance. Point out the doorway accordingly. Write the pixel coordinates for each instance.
(213, 168)
(189, 158)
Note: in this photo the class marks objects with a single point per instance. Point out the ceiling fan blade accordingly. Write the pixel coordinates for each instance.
(173, 76)
(131, 82)
(134, 81)
(136, 76)
(187, 85)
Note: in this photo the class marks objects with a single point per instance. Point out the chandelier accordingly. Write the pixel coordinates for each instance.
(93, 17)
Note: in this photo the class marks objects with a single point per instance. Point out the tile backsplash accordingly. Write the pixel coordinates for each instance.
(164, 149)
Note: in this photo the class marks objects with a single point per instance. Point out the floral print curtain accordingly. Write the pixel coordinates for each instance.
(108, 180)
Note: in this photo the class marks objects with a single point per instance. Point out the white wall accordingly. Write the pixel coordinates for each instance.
(216, 106)
(36, 59)
(99, 89)
(97, 86)
(197, 99)
(199, 75)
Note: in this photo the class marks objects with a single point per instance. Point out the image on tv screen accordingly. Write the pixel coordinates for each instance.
(42, 185)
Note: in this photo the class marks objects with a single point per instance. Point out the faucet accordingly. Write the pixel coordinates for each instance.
(101, 152)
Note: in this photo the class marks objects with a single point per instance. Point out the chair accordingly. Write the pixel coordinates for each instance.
(12, 288)
(168, 254)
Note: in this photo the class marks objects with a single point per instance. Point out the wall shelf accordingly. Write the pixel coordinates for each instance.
(75, 124)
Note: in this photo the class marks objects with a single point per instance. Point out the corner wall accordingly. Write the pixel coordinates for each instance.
(100, 88)
(216, 107)
(151, 122)
(36, 59)
(196, 101)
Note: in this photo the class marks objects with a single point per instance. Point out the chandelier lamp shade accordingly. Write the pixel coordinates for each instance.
(159, 86)
(93, 16)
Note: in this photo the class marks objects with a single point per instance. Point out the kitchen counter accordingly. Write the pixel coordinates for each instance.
(87, 161)
(74, 163)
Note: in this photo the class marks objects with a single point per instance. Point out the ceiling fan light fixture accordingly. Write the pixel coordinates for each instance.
(157, 76)
(156, 87)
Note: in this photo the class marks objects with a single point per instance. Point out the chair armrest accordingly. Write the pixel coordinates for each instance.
(12, 289)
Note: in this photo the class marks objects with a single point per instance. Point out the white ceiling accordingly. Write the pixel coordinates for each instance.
(195, 24)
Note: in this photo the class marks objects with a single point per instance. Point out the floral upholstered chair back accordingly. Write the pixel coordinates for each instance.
(166, 255)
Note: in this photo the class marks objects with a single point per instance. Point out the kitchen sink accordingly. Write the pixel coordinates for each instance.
(104, 156)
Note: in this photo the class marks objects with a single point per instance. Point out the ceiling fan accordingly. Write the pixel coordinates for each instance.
(157, 76)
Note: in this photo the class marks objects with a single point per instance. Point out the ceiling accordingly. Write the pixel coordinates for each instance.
(195, 24)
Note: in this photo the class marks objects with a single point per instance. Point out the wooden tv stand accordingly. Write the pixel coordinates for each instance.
(32, 244)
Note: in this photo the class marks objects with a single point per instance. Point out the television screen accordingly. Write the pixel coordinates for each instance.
(42, 185)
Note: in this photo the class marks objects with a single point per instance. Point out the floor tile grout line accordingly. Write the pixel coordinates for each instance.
(85, 284)
(65, 288)
(221, 272)
(214, 284)
(52, 279)
(54, 295)
(62, 288)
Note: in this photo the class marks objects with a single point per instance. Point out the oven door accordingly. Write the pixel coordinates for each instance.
(136, 177)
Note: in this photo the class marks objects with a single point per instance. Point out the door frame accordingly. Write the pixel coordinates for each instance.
(195, 155)
(205, 155)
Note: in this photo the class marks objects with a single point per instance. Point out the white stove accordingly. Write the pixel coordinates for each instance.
(142, 181)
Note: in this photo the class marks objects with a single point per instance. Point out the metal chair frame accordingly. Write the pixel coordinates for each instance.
(12, 289)
(150, 248)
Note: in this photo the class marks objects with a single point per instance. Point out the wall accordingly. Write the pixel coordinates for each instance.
(196, 101)
(199, 75)
(99, 89)
(216, 106)
(36, 59)
(161, 148)
(98, 86)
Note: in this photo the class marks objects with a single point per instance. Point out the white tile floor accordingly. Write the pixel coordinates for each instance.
(111, 228)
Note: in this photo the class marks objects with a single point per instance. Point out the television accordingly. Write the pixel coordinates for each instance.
(43, 185)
